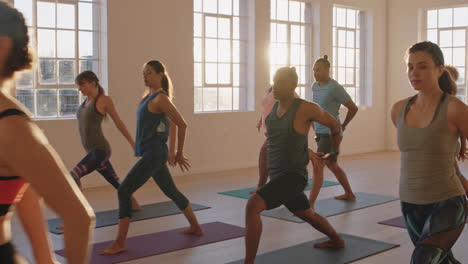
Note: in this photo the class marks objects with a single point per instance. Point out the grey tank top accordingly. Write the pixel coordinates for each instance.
(427, 173)
(89, 124)
(287, 149)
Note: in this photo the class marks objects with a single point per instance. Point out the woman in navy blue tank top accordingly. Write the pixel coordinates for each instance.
(157, 122)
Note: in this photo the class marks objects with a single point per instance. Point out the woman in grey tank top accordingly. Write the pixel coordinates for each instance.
(428, 126)
(90, 115)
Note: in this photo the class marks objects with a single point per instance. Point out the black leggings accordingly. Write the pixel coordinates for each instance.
(8, 255)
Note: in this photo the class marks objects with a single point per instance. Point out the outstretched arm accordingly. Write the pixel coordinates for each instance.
(110, 108)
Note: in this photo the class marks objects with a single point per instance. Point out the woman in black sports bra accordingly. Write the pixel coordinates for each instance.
(30, 168)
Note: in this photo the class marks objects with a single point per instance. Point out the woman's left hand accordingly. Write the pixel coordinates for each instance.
(182, 161)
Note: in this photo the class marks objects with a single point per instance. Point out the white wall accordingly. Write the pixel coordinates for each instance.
(148, 29)
(405, 27)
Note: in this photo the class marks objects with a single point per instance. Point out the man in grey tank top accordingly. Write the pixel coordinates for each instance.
(288, 126)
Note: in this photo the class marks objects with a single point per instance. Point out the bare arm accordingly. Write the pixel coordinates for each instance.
(395, 112)
(110, 108)
(315, 113)
(457, 116)
(30, 213)
(167, 107)
(352, 110)
(32, 158)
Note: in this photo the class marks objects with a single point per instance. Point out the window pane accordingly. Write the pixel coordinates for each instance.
(351, 18)
(224, 73)
(459, 38)
(273, 9)
(211, 73)
(282, 10)
(210, 6)
(225, 7)
(445, 17)
(350, 76)
(301, 71)
(197, 25)
(295, 54)
(235, 74)
(210, 99)
(45, 14)
(281, 33)
(304, 55)
(224, 28)
(341, 17)
(85, 18)
(432, 19)
(224, 50)
(341, 57)
(295, 34)
(225, 99)
(26, 8)
(88, 65)
(211, 50)
(197, 5)
(459, 57)
(198, 71)
(211, 27)
(65, 44)
(460, 17)
(235, 28)
(25, 80)
(86, 42)
(341, 38)
(350, 39)
(66, 72)
(341, 75)
(349, 57)
(197, 49)
(47, 72)
(66, 16)
(447, 55)
(26, 97)
(69, 102)
(432, 35)
(446, 38)
(235, 7)
(198, 102)
(46, 103)
(46, 43)
(294, 11)
(235, 51)
(461, 78)
(235, 99)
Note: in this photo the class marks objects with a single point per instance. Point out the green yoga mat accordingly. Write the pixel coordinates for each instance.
(244, 193)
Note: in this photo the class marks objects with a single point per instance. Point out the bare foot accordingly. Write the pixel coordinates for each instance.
(113, 249)
(349, 197)
(332, 243)
(60, 227)
(197, 231)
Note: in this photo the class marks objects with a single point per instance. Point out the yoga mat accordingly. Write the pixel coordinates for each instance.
(163, 242)
(244, 193)
(111, 217)
(332, 206)
(396, 222)
(356, 248)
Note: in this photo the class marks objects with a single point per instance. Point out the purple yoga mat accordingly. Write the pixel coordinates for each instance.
(163, 242)
(396, 222)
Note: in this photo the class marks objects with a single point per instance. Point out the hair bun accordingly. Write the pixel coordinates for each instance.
(325, 57)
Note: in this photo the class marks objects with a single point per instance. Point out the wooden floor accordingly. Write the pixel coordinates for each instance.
(375, 172)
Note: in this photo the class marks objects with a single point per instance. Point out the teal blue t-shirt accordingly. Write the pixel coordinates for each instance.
(330, 97)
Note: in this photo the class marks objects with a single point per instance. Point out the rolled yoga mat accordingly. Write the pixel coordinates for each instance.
(163, 242)
(332, 206)
(111, 217)
(244, 193)
(356, 248)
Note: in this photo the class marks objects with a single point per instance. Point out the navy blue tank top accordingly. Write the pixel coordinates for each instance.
(152, 129)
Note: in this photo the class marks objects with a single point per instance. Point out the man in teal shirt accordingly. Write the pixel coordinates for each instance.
(330, 95)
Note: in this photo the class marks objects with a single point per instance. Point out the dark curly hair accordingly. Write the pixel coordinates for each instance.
(13, 25)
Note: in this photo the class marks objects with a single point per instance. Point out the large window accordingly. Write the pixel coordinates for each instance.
(348, 52)
(65, 35)
(290, 40)
(448, 28)
(220, 49)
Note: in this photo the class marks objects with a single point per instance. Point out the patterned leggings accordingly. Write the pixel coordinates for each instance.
(434, 229)
(96, 160)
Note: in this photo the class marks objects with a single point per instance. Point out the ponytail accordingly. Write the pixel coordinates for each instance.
(447, 84)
